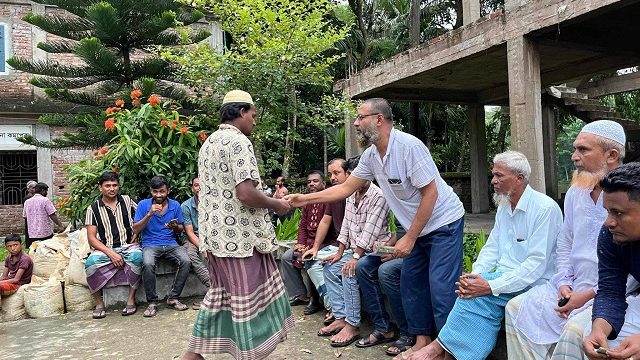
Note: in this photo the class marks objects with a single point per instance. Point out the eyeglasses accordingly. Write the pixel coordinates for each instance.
(361, 117)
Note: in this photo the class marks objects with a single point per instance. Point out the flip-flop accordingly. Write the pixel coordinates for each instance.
(404, 355)
(328, 333)
(329, 318)
(129, 310)
(345, 343)
(379, 339)
(403, 344)
(151, 311)
(176, 304)
(99, 313)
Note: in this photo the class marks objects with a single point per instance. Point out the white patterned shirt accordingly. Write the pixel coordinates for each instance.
(227, 227)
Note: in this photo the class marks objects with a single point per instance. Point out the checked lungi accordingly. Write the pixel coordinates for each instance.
(101, 272)
(246, 311)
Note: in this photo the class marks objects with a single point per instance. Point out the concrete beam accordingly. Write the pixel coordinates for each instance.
(351, 147)
(613, 85)
(478, 155)
(526, 107)
(470, 11)
(549, 140)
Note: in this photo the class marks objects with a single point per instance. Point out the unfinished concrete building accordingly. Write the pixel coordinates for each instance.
(518, 58)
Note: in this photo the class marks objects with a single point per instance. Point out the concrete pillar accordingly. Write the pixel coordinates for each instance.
(478, 152)
(470, 11)
(351, 147)
(550, 154)
(525, 105)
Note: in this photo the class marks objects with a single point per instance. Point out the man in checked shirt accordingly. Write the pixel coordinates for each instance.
(366, 221)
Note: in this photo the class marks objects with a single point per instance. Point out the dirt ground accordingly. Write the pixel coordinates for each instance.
(77, 336)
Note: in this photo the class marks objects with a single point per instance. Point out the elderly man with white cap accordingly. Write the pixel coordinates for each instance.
(536, 320)
(246, 311)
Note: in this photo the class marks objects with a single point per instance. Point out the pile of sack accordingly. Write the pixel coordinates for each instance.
(59, 282)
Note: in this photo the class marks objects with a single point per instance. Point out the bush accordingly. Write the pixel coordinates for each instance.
(471, 246)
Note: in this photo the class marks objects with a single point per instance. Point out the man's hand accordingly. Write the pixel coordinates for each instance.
(629, 348)
(282, 207)
(116, 258)
(334, 259)
(404, 247)
(564, 291)
(597, 339)
(349, 269)
(472, 285)
(313, 252)
(296, 200)
(58, 229)
(576, 300)
(155, 208)
(300, 247)
(173, 225)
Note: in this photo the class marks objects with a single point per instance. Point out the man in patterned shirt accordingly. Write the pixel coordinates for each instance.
(245, 313)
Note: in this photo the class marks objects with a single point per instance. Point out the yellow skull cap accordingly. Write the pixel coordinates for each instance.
(237, 96)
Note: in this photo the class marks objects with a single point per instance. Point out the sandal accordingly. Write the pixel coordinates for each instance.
(329, 318)
(99, 313)
(176, 304)
(151, 311)
(404, 355)
(328, 333)
(403, 343)
(346, 342)
(129, 310)
(379, 339)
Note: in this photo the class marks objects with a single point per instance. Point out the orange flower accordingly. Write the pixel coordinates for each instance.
(154, 100)
(110, 124)
(136, 102)
(59, 203)
(136, 93)
(184, 129)
(109, 110)
(164, 123)
(119, 103)
(103, 150)
(173, 126)
(203, 136)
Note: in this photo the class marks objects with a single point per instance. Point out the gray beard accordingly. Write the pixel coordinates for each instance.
(501, 199)
(367, 137)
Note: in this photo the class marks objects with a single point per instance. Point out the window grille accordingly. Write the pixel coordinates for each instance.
(16, 169)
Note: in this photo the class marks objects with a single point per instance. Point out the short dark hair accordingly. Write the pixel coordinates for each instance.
(158, 181)
(231, 111)
(351, 163)
(108, 176)
(625, 178)
(40, 187)
(380, 106)
(194, 179)
(12, 237)
(341, 160)
(318, 172)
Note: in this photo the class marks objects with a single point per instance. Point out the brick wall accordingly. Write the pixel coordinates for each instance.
(60, 159)
(11, 221)
(16, 84)
(461, 184)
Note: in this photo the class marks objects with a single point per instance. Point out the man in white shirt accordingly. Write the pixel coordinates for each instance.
(422, 202)
(517, 255)
(535, 320)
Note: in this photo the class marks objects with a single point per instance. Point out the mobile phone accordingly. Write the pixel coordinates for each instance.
(172, 222)
(562, 302)
(385, 250)
(602, 350)
(394, 181)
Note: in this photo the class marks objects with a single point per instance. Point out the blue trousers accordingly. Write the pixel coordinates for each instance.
(344, 291)
(377, 279)
(429, 274)
(315, 270)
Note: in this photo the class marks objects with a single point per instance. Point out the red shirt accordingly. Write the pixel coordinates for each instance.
(21, 261)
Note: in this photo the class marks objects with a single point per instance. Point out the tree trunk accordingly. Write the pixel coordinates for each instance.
(459, 15)
(414, 23)
(292, 123)
(502, 132)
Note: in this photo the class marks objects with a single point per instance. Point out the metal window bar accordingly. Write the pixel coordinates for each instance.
(16, 169)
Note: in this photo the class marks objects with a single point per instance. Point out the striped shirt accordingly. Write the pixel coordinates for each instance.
(115, 226)
(366, 223)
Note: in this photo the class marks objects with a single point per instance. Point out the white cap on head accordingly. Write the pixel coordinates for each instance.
(237, 96)
(607, 129)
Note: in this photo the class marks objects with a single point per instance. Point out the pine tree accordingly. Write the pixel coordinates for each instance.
(112, 39)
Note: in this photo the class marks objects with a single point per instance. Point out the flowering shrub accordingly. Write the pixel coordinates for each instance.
(150, 139)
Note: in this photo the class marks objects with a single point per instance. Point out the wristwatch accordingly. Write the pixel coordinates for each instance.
(356, 255)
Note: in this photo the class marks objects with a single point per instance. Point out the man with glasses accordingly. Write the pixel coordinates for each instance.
(422, 202)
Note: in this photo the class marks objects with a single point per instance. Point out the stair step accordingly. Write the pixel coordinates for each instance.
(574, 101)
(565, 89)
(587, 108)
(577, 95)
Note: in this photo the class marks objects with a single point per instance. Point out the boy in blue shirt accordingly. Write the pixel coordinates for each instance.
(156, 220)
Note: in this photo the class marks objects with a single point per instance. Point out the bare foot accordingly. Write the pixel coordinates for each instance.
(192, 356)
(432, 351)
(347, 333)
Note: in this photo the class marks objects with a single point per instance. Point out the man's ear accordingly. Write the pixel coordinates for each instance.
(613, 156)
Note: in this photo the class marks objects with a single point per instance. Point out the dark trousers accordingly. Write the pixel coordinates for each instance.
(30, 240)
(177, 255)
(428, 278)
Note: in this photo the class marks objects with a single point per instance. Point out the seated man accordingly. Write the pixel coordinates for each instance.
(517, 255)
(17, 267)
(615, 329)
(534, 321)
(190, 214)
(330, 223)
(291, 262)
(117, 258)
(157, 220)
(366, 222)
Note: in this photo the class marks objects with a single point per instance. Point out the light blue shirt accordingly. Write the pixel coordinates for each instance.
(522, 243)
(407, 167)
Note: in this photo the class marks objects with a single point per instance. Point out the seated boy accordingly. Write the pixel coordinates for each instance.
(17, 268)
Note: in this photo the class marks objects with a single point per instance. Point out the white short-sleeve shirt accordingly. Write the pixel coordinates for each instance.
(405, 168)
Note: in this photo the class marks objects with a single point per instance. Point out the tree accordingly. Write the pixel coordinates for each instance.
(279, 52)
(110, 41)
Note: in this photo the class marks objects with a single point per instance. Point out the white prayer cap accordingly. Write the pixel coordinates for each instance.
(237, 96)
(607, 129)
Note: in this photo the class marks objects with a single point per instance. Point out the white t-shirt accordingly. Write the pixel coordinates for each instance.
(406, 167)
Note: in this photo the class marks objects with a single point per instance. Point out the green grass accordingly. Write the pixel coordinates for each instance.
(3, 252)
